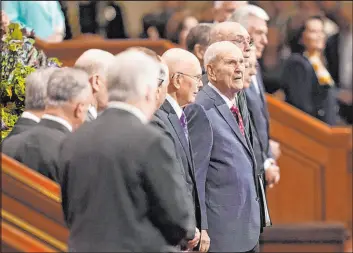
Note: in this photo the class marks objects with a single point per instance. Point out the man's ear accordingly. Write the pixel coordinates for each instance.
(198, 51)
(79, 110)
(211, 74)
(94, 81)
(175, 81)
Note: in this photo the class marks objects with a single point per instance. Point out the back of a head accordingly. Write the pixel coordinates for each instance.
(218, 48)
(221, 31)
(147, 51)
(36, 89)
(241, 14)
(94, 61)
(67, 85)
(131, 75)
(178, 59)
(199, 34)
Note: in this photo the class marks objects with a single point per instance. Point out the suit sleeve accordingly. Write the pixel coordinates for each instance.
(171, 209)
(297, 84)
(201, 138)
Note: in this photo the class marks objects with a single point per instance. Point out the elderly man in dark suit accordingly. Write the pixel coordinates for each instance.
(121, 191)
(254, 19)
(184, 73)
(36, 93)
(67, 101)
(226, 168)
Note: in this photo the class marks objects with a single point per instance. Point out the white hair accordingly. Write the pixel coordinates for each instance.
(241, 14)
(67, 85)
(164, 73)
(216, 49)
(36, 88)
(94, 61)
(131, 75)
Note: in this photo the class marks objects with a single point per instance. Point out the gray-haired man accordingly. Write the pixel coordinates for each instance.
(68, 96)
(36, 93)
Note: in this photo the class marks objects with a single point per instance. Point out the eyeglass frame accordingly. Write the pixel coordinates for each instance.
(196, 78)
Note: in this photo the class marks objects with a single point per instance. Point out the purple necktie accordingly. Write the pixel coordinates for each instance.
(184, 125)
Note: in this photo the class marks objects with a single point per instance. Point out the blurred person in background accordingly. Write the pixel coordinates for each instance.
(179, 25)
(44, 17)
(306, 81)
(222, 10)
(197, 41)
(152, 27)
(338, 54)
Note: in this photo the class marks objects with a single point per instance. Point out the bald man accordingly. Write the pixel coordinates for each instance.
(184, 82)
(94, 62)
(225, 162)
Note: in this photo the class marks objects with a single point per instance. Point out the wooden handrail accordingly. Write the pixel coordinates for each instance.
(291, 116)
(21, 241)
(30, 177)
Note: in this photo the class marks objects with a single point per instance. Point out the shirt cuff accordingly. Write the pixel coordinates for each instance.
(269, 162)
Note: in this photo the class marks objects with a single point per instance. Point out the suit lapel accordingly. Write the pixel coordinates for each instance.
(175, 122)
(227, 115)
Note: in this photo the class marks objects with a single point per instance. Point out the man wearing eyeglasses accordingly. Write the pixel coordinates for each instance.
(185, 81)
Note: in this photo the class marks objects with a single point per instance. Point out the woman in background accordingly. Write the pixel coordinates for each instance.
(44, 17)
(306, 82)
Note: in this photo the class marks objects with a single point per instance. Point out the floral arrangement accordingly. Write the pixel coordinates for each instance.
(19, 58)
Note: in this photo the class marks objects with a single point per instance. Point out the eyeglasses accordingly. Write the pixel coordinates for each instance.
(160, 81)
(242, 42)
(197, 78)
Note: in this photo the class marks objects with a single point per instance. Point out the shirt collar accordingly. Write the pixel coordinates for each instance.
(31, 116)
(229, 102)
(178, 110)
(93, 111)
(129, 108)
(59, 120)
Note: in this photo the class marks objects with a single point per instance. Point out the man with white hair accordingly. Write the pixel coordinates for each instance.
(226, 170)
(95, 62)
(185, 80)
(222, 10)
(68, 97)
(121, 190)
(36, 93)
(255, 19)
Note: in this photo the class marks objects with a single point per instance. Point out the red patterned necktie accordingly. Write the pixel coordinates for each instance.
(237, 115)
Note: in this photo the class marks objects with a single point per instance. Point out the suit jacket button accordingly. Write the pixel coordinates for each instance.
(321, 112)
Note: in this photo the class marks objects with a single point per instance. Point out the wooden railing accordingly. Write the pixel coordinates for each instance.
(31, 214)
(69, 51)
(316, 168)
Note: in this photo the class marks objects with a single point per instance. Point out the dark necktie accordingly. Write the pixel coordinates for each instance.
(243, 108)
(237, 115)
(184, 125)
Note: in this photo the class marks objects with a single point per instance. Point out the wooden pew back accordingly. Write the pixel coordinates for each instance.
(316, 168)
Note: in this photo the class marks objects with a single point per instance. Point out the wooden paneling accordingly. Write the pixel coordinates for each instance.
(316, 173)
(305, 237)
(31, 214)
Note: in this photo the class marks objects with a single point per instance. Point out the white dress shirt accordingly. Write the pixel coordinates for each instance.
(177, 108)
(229, 102)
(61, 121)
(31, 116)
(129, 108)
